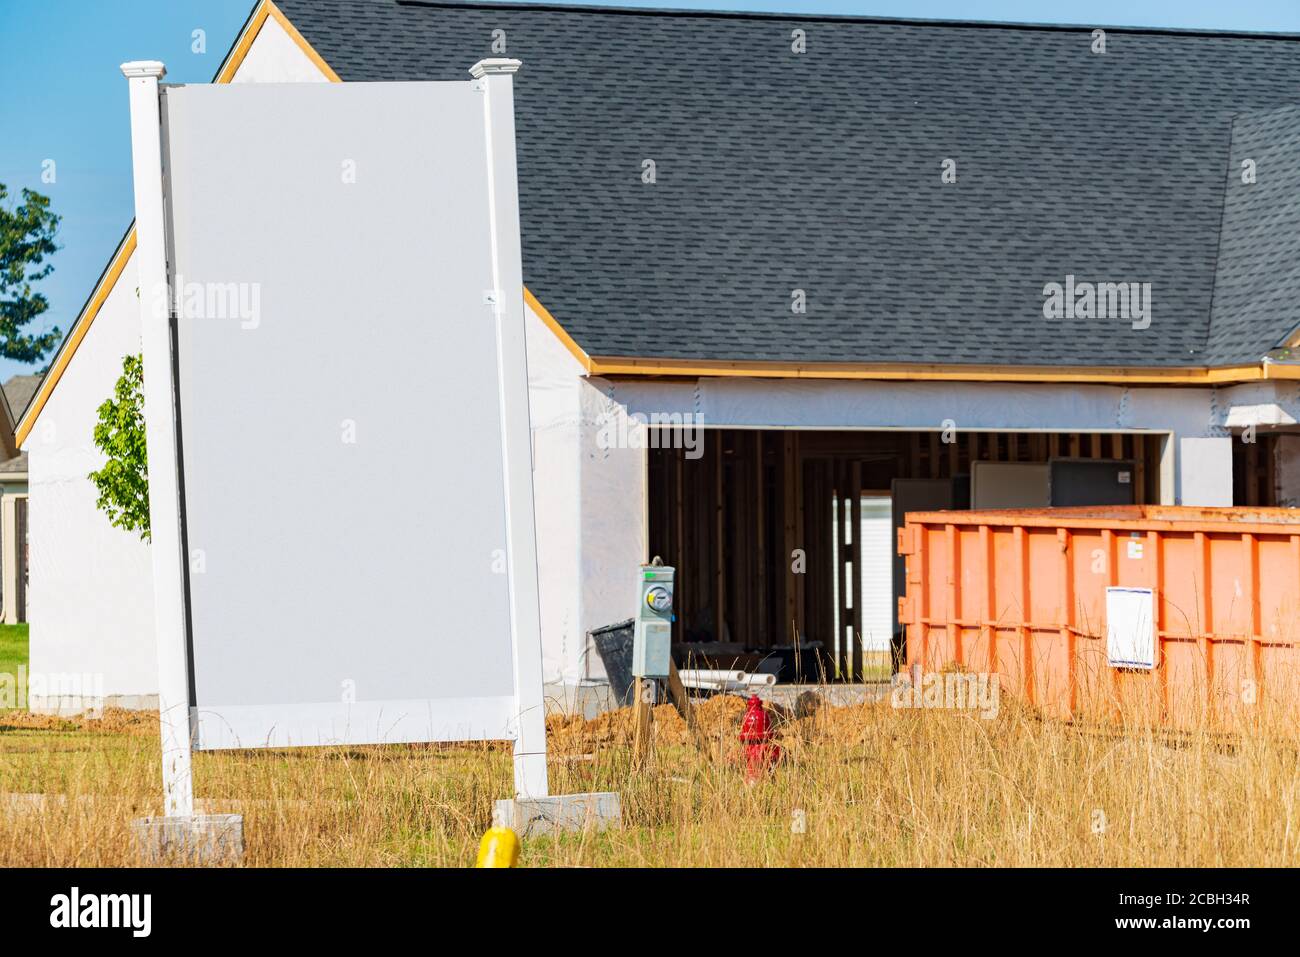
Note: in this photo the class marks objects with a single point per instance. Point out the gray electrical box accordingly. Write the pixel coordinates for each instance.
(652, 643)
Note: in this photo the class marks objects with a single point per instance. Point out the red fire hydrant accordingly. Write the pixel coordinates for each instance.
(756, 736)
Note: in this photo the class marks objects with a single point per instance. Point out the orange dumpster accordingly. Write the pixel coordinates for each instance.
(1192, 613)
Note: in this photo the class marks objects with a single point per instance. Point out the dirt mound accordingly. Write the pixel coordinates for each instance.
(717, 716)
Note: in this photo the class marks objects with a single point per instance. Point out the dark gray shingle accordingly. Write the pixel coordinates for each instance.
(1258, 276)
(19, 391)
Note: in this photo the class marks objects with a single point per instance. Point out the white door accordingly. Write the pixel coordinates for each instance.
(877, 573)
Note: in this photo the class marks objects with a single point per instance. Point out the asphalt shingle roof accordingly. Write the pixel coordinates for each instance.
(1258, 276)
(821, 171)
(19, 391)
(15, 465)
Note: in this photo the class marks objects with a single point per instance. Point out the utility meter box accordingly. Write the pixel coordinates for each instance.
(652, 644)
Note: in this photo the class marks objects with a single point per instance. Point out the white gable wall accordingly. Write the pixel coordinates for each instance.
(275, 58)
(90, 602)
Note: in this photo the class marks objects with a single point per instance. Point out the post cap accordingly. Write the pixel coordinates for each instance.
(138, 68)
(493, 66)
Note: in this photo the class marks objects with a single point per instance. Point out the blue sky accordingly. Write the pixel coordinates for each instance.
(63, 98)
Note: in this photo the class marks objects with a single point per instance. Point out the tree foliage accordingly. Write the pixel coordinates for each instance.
(26, 243)
(123, 482)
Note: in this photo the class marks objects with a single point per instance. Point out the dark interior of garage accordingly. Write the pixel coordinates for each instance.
(785, 539)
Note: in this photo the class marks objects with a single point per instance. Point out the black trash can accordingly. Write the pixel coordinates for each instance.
(614, 645)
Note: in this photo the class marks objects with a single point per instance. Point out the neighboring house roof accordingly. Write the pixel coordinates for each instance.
(14, 398)
(19, 391)
(821, 171)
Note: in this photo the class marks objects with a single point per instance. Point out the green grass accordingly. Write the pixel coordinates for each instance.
(13, 648)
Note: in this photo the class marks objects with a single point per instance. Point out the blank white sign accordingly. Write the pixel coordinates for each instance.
(1130, 628)
(340, 422)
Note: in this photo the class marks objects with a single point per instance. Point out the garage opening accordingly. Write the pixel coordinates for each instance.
(1254, 469)
(784, 540)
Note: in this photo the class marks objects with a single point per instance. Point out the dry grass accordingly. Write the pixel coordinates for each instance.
(876, 786)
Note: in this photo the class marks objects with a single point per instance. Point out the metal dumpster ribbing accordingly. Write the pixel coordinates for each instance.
(1023, 593)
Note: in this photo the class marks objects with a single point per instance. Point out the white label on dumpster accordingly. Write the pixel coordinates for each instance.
(1130, 628)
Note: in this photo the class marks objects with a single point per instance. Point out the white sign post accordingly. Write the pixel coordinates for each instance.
(507, 301)
(261, 588)
(176, 830)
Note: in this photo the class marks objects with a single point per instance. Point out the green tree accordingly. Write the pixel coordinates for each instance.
(123, 482)
(26, 243)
